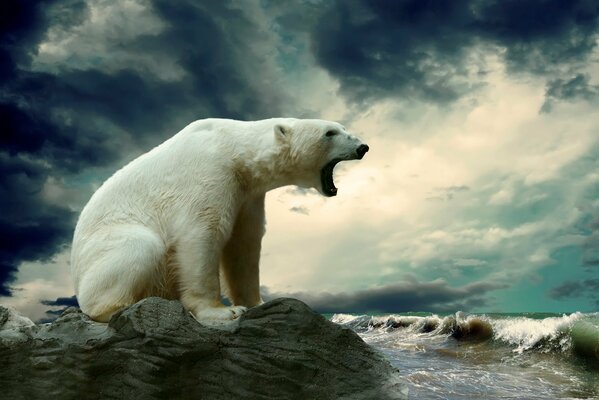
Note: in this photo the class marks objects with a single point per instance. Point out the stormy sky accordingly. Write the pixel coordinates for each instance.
(480, 191)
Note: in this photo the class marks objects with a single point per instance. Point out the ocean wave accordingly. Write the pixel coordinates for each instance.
(577, 332)
(546, 334)
(585, 338)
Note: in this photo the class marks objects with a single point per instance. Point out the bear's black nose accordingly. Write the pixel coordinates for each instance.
(362, 150)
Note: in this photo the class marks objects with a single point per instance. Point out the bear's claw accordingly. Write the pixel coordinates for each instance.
(219, 313)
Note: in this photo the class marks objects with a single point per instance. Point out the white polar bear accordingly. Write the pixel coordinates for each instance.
(175, 219)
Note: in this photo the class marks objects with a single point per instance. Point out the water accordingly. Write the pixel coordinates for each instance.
(491, 356)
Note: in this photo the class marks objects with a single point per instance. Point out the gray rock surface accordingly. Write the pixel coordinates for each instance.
(156, 350)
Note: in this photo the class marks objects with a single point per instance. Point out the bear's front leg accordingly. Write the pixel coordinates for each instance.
(241, 254)
(198, 262)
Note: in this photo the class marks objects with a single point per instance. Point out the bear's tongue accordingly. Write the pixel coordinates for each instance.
(326, 179)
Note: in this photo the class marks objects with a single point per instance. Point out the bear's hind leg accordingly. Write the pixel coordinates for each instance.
(124, 267)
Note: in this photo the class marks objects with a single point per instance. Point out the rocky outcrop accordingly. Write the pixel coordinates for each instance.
(156, 350)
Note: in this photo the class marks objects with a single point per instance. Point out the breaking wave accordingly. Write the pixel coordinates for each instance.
(576, 333)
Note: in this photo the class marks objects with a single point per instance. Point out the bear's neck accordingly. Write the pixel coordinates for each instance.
(259, 169)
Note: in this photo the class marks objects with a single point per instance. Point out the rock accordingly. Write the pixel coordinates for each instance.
(11, 319)
(154, 349)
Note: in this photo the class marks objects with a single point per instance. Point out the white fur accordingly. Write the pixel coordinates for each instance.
(165, 224)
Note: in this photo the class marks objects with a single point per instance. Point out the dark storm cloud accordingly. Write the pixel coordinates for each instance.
(62, 302)
(434, 296)
(578, 87)
(577, 288)
(420, 48)
(218, 46)
(590, 259)
(575, 88)
(30, 228)
(566, 289)
(587, 289)
(22, 25)
(59, 123)
(591, 251)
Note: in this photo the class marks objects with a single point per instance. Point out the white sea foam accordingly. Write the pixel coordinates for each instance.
(526, 333)
(522, 333)
(343, 319)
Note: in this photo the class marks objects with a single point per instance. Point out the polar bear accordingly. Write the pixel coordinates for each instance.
(175, 220)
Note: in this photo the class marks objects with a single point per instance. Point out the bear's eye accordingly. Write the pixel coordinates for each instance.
(330, 133)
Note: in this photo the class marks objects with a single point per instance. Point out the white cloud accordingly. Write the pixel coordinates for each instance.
(98, 43)
(40, 281)
(56, 191)
(468, 262)
(503, 196)
(497, 144)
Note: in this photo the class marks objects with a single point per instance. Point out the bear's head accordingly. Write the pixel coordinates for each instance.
(312, 148)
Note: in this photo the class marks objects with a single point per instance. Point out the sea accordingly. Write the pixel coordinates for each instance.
(487, 356)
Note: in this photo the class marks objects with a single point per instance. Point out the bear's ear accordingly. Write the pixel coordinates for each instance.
(282, 132)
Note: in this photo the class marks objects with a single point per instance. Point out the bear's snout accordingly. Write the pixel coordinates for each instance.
(362, 149)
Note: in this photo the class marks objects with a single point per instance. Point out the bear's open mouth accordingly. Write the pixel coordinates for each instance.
(326, 178)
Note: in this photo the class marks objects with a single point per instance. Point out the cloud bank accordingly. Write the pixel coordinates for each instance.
(410, 295)
(431, 49)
